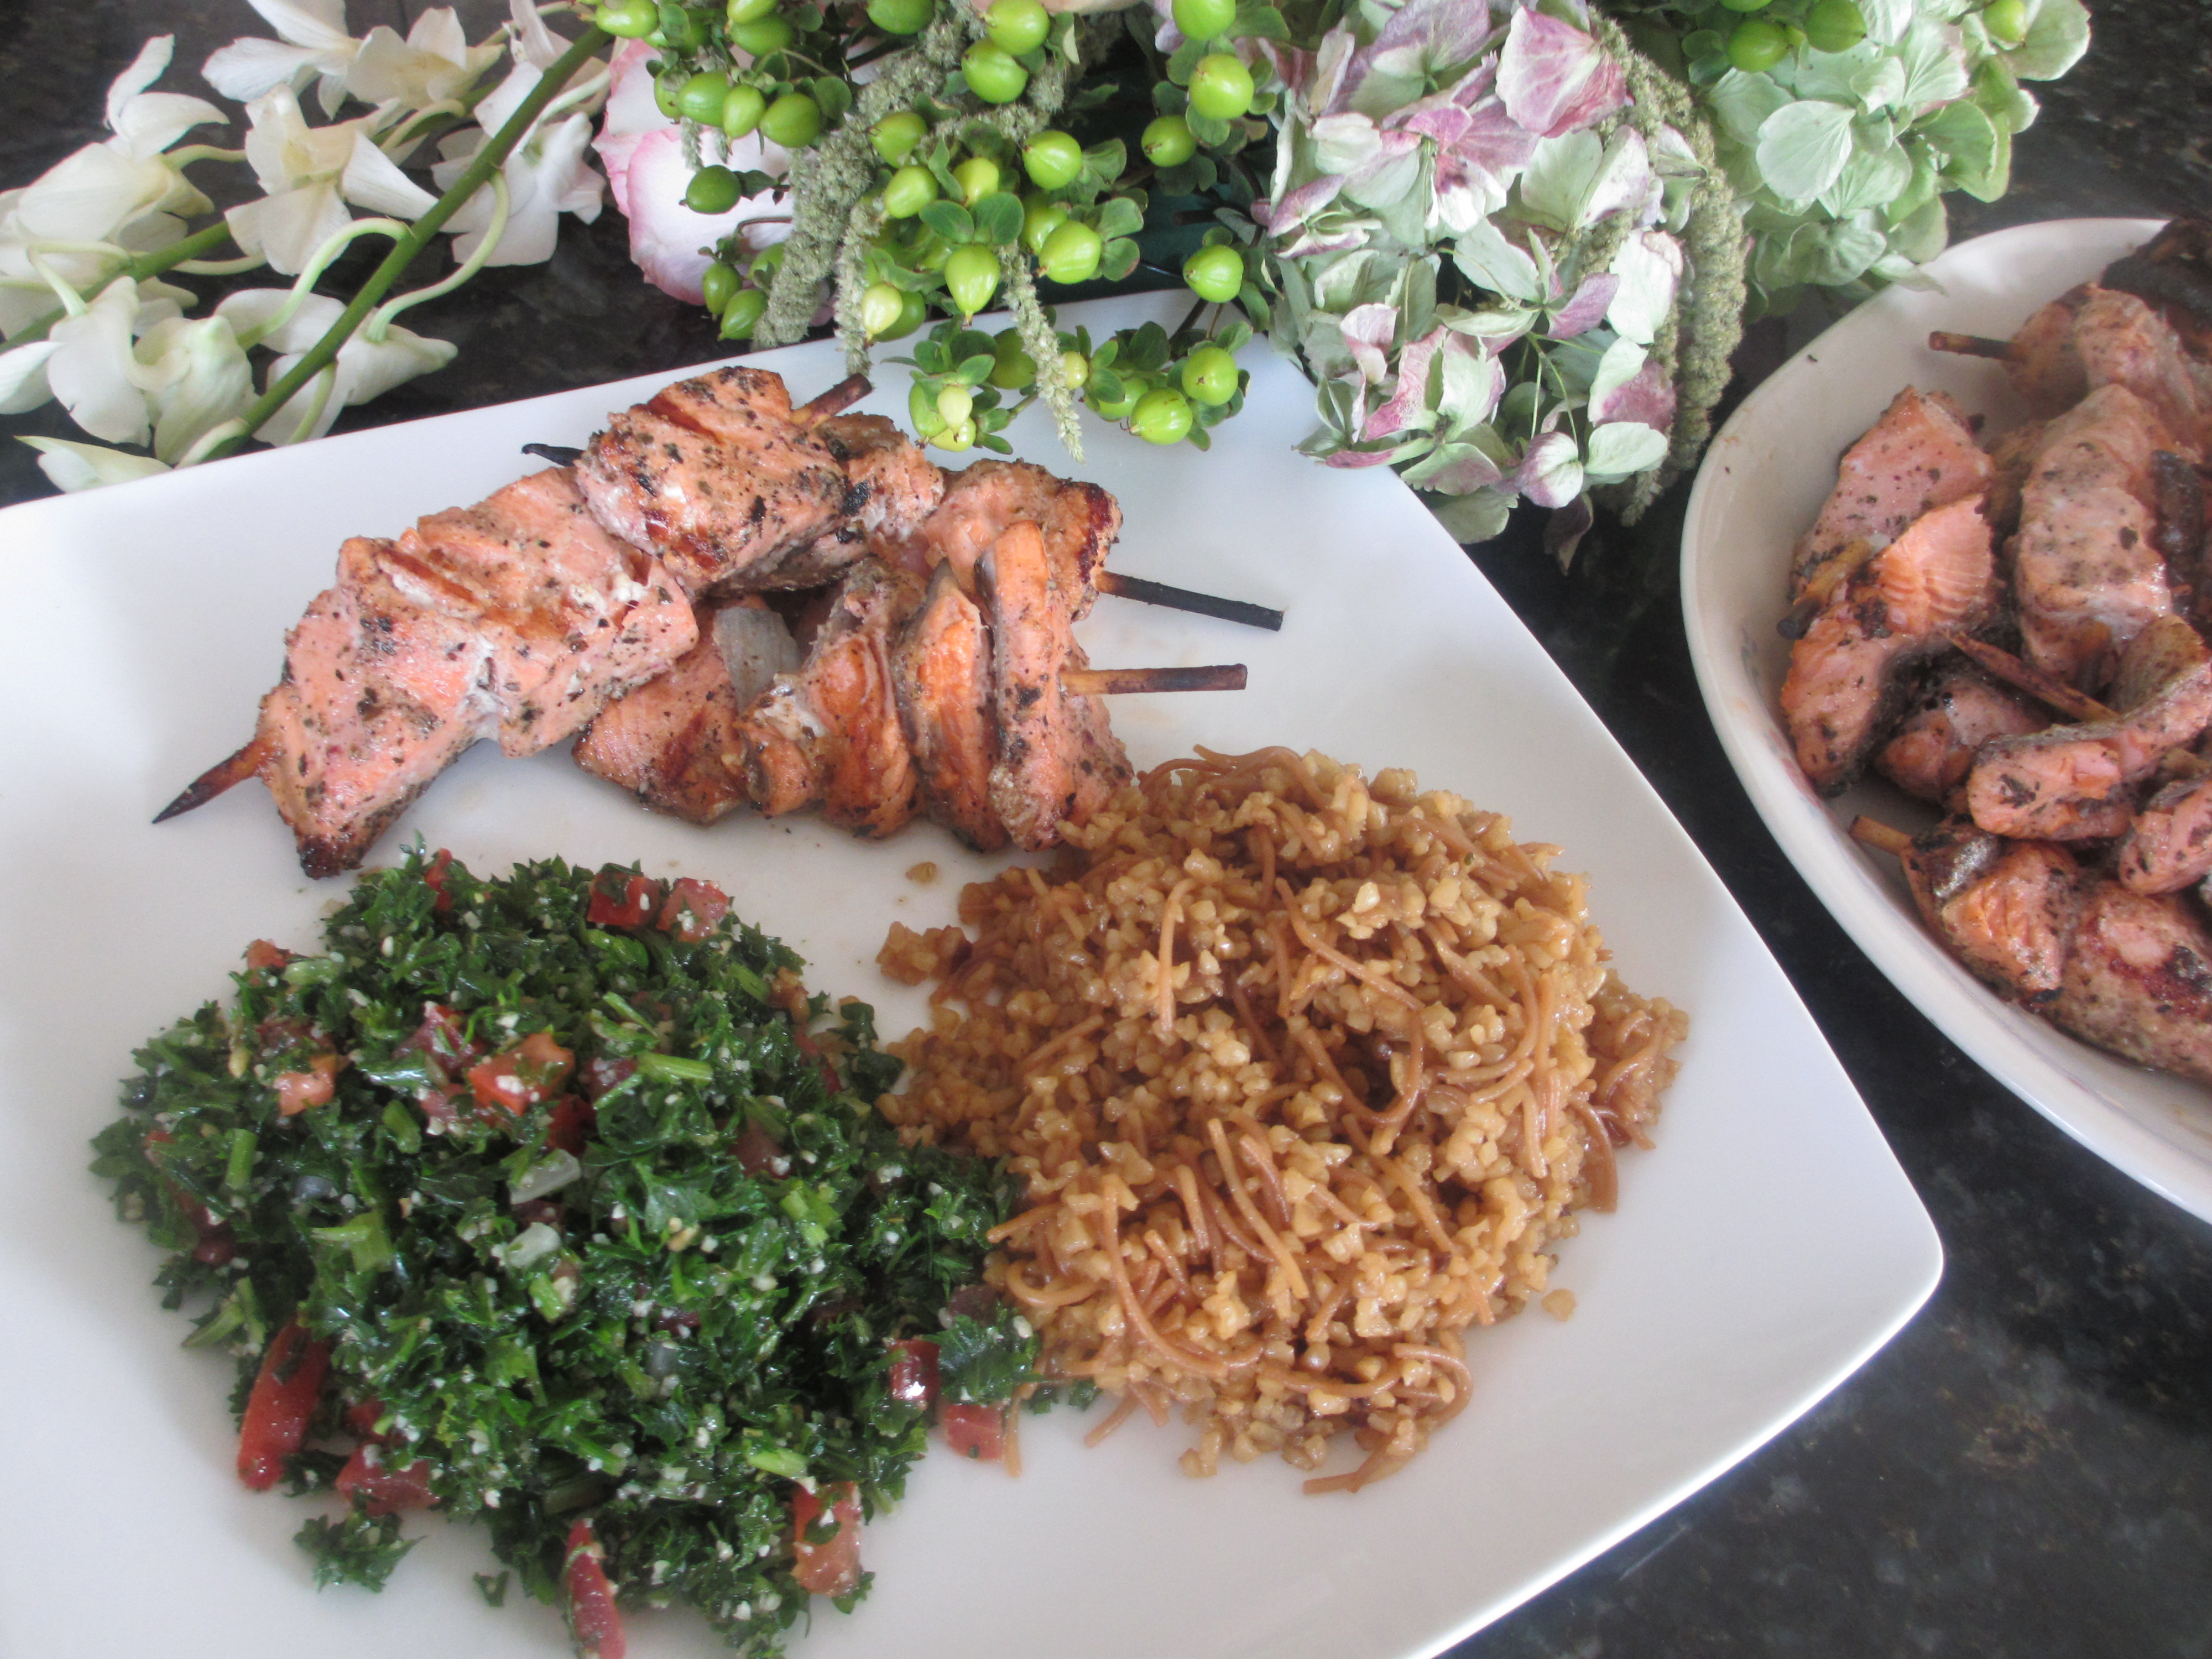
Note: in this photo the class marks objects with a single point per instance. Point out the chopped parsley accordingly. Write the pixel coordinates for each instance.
(592, 1229)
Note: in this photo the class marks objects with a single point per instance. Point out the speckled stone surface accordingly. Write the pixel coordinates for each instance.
(2027, 1470)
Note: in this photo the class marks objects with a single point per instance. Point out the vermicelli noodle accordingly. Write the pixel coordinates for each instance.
(1305, 1076)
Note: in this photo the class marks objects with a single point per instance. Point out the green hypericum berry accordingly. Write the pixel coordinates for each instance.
(699, 98)
(1834, 26)
(921, 409)
(1040, 218)
(1052, 160)
(712, 189)
(664, 89)
(2005, 20)
(742, 111)
(770, 34)
(1019, 26)
(741, 12)
(682, 29)
(1745, 5)
(744, 310)
(1220, 87)
(794, 121)
(1074, 370)
(954, 405)
(1756, 46)
(1162, 417)
(971, 277)
(1167, 141)
(718, 284)
(1204, 20)
(911, 189)
(959, 436)
(991, 73)
(912, 309)
(896, 136)
(1209, 375)
(1071, 253)
(977, 176)
(1012, 369)
(879, 310)
(901, 16)
(632, 19)
(1115, 408)
(1214, 273)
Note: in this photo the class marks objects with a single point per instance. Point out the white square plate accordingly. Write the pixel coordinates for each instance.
(1763, 483)
(1767, 1247)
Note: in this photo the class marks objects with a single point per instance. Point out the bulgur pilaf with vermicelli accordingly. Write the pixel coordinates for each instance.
(1274, 1184)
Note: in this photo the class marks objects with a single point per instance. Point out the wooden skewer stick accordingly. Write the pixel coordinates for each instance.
(1970, 345)
(224, 775)
(2044, 687)
(559, 454)
(1873, 832)
(1182, 598)
(835, 401)
(1114, 682)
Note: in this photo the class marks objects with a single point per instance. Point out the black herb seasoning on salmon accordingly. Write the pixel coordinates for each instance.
(527, 1199)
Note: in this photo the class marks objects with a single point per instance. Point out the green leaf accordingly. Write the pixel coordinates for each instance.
(998, 219)
(1802, 149)
(1210, 131)
(1120, 216)
(1259, 22)
(1934, 66)
(1559, 177)
(1979, 151)
(1880, 84)
(834, 94)
(1619, 448)
(1875, 177)
(951, 221)
(2057, 35)
(1117, 259)
(1184, 60)
(1744, 102)
(1479, 517)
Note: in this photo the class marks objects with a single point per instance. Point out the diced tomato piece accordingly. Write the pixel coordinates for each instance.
(913, 1380)
(298, 1090)
(972, 1430)
(593, 1618)
(601, 1074)
(444, 1037)
(759, 1153)
(973, 1302)
(283, 1400)
(693, 908)
(790, 995)
(573, 1119)
(621, 900)
(438, 1110)
(831, 1567)
(433, 878)
(550, 1211)
(533, 1070)
(381, 1490)
(261, 954)
(362, 1417)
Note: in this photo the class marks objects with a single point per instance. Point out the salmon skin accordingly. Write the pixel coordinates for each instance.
(1850, 672)
(2006, 908)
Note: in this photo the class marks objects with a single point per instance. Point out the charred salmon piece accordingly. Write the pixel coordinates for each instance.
(828, 734)
(2006, 908)
(2088, 576)
(1849, 673)
(2011, 459)
(2079, 782)
(1920, 455)
(891, 487)
(572, 616)
(2042, 361)
(2138, 981)
(1078, 522)
(714, 477)
(2157, 659)
(1933, 749)
(2169, 845)
(1058, 758)
(380, 694)
(941, 673)
(673, 742)
(2122, 342)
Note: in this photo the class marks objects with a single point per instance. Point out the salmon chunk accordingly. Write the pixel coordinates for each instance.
(2006, 908)
(1934, 748)
(2138, 981)
(1920, 455)
(2079, 782)
(714, 477)
(1077, 521)
(2087, 571)
(941, 671)
(1058, 757)
(2169, 845)
(1849, 673)
(2122, 342)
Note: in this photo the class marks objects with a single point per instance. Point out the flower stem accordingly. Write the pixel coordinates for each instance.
(486, 161)
(145, 266)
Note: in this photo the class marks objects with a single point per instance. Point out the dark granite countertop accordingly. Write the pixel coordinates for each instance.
(2027, 1470)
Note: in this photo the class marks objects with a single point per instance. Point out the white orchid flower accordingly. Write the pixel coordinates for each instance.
(315, 43)
(74, 466)
(366, 369)
(94, 357)
(196, 376)
(123, 191)
(435, 65)
(309, 175)
(547, 175)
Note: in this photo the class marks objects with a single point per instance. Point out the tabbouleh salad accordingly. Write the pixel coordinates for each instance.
(540, 1201)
